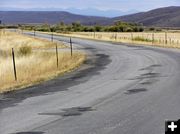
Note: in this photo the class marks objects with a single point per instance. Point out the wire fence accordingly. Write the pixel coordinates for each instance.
(165, 39)
(12, 54)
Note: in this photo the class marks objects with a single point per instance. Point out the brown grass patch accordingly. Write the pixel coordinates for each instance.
(32, 66)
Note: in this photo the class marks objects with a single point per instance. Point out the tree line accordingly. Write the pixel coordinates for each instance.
(118, 26)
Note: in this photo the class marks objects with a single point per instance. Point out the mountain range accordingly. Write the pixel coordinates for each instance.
(51, 17)
(83, 11)
(161, 17)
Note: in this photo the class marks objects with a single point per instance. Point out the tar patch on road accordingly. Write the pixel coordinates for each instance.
(135, 91)
(149, 74)
(148, 82)
(151, 67)
(29, 133)
(74, 111)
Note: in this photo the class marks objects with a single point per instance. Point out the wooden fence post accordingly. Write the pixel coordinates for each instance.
(153, 38)
(57, 56)
(14, 64)
(34, 33)
(52, 38)
(116, 36)
(166, 41)
(170, 41)
(132, 36)
(71, 46)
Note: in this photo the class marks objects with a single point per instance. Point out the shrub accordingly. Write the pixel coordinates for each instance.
(141, 29)
(141, 39)
(4, 53)
(129, 29)
(152, 29)
(25, 50)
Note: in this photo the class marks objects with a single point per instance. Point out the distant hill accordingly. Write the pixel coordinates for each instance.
(161, 17)
(51, 17)
(82, 11)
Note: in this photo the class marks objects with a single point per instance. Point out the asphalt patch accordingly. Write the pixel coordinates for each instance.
(149, 82)
(135, 46)
(151, 67)
(151, 74)
(135, 91)
(147, 76)
(74, 111)
(29, 133)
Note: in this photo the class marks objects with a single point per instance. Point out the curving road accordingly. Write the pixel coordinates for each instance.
(120, 89)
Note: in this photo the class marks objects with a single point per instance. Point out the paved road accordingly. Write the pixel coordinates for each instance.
(120, 89)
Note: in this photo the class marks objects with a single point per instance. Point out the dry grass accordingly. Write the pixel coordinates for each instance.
(145, 38)
(10, 39)
(35, 67)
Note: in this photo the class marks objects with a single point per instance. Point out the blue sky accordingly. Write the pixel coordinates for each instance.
(123, 5)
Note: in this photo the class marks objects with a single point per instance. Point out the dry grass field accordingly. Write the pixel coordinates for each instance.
(35, 60)
(161, 39)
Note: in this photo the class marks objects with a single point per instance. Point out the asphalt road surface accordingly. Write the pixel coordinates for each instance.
(120, 89)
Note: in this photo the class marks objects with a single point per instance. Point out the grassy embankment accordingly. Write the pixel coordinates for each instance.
(35, 61)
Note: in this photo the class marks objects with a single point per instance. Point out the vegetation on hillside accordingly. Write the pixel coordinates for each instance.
(118, 26)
